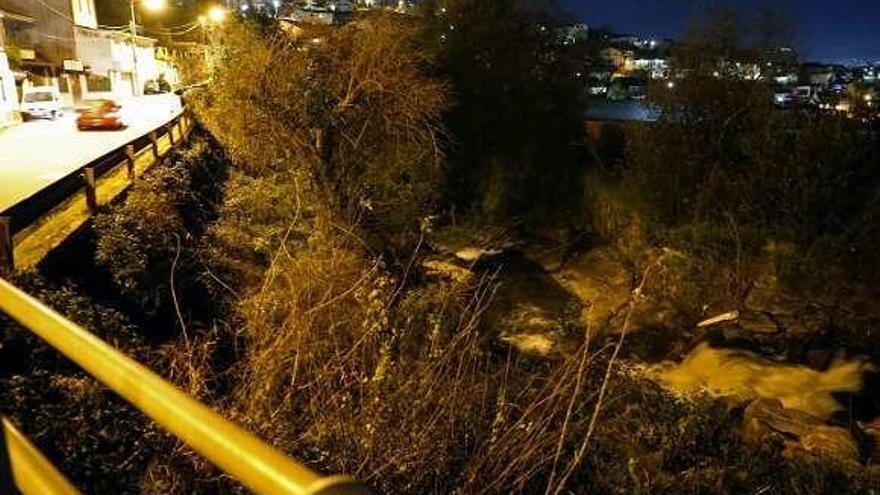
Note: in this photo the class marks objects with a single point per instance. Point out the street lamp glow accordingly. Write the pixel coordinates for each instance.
(154, 4)
(217, 14)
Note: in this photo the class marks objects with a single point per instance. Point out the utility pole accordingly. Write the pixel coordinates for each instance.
(136, 90)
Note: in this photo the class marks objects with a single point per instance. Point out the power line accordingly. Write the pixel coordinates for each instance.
(55, 11)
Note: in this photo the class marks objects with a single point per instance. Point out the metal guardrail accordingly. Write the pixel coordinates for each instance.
(258, 466)
(29, 472)
(25, 213)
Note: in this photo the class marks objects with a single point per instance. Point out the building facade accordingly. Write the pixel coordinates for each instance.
(8, 95)
(63, 46)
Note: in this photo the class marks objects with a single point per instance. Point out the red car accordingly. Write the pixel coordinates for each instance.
(99, 114)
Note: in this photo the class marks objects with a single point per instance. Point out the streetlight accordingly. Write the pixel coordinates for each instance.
(149, 5)
(213, 17)
(216, 14)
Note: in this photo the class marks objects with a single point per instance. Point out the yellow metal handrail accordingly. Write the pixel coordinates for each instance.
(258, 466)
(32, 473)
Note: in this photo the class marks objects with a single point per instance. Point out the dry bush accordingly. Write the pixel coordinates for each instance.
(140, 242)
(407, 396)
(352, 117)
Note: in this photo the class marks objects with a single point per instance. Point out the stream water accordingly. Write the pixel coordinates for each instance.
(743, 375)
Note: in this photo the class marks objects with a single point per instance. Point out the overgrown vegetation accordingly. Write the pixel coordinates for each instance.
(282, 252)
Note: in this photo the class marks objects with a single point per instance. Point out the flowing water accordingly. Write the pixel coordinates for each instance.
(743, 375)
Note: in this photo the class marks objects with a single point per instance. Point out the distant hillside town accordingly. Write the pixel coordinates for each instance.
(63, 43)
(624, 66)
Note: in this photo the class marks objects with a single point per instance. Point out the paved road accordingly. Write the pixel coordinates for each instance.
(37, 153)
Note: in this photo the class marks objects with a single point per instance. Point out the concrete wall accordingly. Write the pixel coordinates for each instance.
(8, 95)
(55, 43)
(110, 54)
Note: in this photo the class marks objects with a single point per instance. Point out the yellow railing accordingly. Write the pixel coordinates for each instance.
(258, 466)
(30, 471)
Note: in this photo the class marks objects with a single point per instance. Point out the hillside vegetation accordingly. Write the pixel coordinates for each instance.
(352, 252)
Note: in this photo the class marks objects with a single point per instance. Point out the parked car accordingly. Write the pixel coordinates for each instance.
(782, 97)
(157, 86)
(41, 102)
(151, 87)
(100, 114)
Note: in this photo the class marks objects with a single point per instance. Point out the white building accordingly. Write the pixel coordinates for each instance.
(654, 67)
(8, 94)
(112, 68)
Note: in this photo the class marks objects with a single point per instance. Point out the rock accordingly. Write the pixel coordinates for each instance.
(550, 256)
(806, 433)
(754, 322)
(772, 308)
(764, 415)
(818, 359)
(447, 270)
(719, 319)
(601, 280)
(476, 255)
(471, 244)
(652, 312)
(532, 331)
(832, 442)
(530, 310)
(871, 430)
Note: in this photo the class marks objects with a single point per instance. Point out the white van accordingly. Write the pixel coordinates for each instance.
(41, 101)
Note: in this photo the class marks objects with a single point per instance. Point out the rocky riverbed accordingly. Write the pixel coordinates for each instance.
(776, 356)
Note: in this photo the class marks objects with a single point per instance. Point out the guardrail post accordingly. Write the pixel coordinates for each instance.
(7, 251)
(129, 160)
(169, 128)
(91, 193)
(155, 140)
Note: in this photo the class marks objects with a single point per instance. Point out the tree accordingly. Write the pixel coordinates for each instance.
(349, 114)
(717, 40)
(518, 108)
(710, 43)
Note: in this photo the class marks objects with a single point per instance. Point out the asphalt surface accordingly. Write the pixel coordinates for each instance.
(37, 153)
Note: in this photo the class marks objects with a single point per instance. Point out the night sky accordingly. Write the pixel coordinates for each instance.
(828, 30)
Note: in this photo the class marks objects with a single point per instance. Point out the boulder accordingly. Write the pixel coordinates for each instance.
(871, 431)
(773, 308)
(474, 255)
(531, 311)
(602, 281)
(532, 330)
(447, 270)
(754, 322)
(471, 244)
(805, 433)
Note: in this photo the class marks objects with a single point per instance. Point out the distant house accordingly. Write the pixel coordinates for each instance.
(328, 12)
(621, 59)
(817, 74)
(655, 66)
(182, 62)
(576, 33)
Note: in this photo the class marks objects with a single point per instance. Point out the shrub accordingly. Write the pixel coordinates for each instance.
(151, 238)
(95, 438)
(352, 119)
